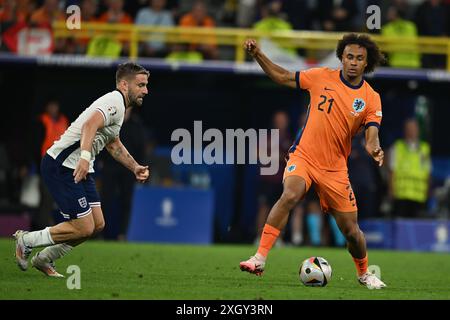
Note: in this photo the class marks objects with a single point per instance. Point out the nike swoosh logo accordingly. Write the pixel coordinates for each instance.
(329, 89)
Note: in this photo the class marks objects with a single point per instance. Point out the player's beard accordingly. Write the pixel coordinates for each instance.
(134, 100)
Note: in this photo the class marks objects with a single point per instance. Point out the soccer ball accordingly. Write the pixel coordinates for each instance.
(315, 272)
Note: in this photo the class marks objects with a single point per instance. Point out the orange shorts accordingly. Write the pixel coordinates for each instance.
(332, 187)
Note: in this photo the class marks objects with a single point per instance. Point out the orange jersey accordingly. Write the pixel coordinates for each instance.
(337, 111)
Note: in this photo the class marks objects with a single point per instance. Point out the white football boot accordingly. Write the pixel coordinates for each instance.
(371, 281)
(22, 251)
(47, 268)
(253, 265)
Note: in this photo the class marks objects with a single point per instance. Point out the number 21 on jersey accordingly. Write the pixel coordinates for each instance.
(324, 100)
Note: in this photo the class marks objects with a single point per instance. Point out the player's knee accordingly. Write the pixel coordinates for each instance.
(290, 198)
(99, 226)
(351, 233)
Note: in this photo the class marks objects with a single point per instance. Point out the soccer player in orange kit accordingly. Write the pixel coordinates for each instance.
(341, 104)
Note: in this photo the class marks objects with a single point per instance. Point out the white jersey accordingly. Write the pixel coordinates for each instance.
(67, 148)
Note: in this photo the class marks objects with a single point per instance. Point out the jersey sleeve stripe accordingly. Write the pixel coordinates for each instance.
(103, 113)
(297, 79)
(375, 124)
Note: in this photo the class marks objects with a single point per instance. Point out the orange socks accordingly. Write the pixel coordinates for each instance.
(268, 237)
(361, 265)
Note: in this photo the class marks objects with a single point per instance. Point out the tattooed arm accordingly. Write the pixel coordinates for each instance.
(121, 154)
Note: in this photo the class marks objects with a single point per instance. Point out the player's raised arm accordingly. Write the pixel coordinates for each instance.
(373, 145)
(121, 154)
(88, 131)
(274, 71)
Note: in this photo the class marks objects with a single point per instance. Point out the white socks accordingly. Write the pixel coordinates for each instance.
(41, 238)
(55, 252)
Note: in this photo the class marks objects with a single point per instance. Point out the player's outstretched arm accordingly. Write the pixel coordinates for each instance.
(274, 71)
(121, 154)
(373, 145)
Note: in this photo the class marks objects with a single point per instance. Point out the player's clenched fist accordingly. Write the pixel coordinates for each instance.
(378, 155)
(142, 173)
(251, 47)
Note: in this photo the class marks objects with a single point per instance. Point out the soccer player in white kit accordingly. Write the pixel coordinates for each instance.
(68, 166)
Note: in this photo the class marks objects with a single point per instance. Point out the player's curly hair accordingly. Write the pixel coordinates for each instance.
(129, 69)
(374, 55)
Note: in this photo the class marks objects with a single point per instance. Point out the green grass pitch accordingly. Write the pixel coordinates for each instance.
(112, 270)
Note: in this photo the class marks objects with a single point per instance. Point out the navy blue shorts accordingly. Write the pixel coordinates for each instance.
(75, 200)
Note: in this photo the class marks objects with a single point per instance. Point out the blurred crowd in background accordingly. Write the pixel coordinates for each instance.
(402, 18)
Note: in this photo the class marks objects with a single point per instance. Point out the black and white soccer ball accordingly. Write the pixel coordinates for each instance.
(315, 272)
